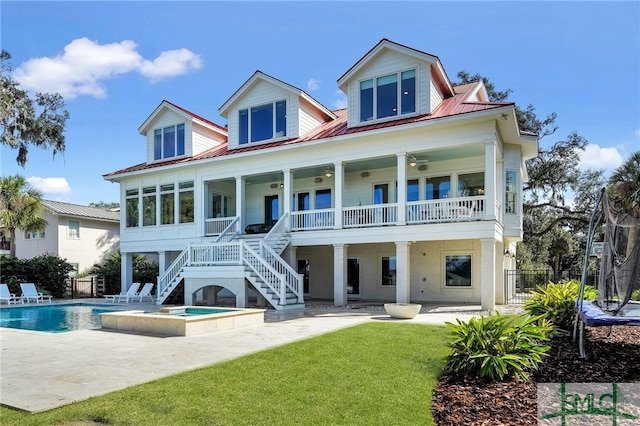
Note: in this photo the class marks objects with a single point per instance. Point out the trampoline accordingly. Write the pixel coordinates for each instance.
(619, 272)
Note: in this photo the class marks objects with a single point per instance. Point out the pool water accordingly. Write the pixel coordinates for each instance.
(191, 311)
(55, 318)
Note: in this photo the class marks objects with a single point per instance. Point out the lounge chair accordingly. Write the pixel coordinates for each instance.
(7, 296)
(145, 292)
(133, 290)
(30, 292)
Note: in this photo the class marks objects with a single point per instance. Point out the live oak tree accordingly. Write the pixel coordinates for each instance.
(559, 196)
(26, 122)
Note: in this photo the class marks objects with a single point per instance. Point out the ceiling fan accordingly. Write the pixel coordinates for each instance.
(413, 162)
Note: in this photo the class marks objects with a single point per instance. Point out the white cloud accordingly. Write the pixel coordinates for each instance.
(637, 132)
(596, 157)
(85, 64)
(341, 101)
(313, 84)
(55, 186)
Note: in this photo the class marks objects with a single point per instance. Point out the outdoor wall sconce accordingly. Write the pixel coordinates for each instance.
(507, 253)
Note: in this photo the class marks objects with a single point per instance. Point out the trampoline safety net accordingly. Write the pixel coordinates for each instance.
(620, 265)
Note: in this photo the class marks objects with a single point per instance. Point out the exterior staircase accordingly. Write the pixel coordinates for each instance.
(263, 267)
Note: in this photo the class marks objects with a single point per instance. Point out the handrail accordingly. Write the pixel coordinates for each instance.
(171, 273)
(276, 231)
(266, 272)
(216, 226)
(445, 209)
(293, 279)
(371, 215)
(225, 234)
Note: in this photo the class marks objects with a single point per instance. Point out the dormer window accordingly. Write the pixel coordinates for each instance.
(383, 97)
(168, 142)
(263, 122)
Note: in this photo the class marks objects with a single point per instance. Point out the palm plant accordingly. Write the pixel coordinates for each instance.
(20, 207)
(624, 185)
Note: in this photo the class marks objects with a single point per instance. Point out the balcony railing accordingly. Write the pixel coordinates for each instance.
(417, 212)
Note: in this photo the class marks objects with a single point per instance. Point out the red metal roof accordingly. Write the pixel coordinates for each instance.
(449, 107)
(197, 117)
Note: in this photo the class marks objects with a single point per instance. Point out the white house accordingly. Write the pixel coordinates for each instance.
(83, 235)
(411, 193)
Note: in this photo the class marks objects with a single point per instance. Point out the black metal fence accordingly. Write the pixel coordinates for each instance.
(78, 288)
(519, 283)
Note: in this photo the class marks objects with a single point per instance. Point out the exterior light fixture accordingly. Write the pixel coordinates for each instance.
(413, 161)
(328, 172)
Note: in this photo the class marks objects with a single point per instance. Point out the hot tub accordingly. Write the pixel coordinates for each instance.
(182, 320)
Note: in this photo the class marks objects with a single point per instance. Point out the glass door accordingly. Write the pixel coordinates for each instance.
(271, 211)
(353, 277)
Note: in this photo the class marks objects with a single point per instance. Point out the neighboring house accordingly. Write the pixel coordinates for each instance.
(82, 235)
(411, 193)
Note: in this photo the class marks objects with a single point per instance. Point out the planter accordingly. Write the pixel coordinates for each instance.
(402, 310)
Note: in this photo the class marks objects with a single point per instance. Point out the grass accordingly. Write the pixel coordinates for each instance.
(374, 373)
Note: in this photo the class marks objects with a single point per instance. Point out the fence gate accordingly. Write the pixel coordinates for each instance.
(85, 287)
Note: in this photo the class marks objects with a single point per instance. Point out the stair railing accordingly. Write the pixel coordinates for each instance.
(270, 276)
(166, 280)
(227, 234)
(292, 279)
(277, 231)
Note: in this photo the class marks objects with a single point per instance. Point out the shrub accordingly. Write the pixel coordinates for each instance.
(496, 347)
(635, 295)
(143, 271)
(557, 302)
(48, 272)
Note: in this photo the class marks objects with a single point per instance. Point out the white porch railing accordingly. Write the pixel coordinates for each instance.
(270, 276)
(374, 215)
(230, 232)
(217, 226)
(445, 210)
(312, 219)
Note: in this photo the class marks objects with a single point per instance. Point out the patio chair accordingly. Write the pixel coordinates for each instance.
(30, 292)
(144, 293)
(7, 296)
(133, 290)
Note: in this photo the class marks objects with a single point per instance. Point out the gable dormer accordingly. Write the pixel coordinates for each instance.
(173, 132)
(265, 109)
(393, 81)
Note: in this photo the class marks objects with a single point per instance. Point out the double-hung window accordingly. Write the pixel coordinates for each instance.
(132, 211)
(73, 229)
(388, 96)
(262, 122)
(168, 142)
(511, 192)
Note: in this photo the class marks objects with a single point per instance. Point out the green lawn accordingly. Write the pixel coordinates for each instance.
(372, 374)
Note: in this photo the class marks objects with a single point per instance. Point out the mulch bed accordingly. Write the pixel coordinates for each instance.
(613, 358)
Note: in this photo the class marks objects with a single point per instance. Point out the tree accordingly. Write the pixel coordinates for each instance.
(20, 207)
(624, 185)
(105, 205)
(24, 121)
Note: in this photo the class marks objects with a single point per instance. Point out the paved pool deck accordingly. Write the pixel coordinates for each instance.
(42, 371)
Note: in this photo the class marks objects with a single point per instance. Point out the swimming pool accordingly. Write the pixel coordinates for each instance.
(55, 318)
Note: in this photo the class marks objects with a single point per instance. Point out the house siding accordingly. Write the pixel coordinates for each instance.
(165, 119)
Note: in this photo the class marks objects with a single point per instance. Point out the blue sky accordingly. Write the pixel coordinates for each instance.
(116, 61)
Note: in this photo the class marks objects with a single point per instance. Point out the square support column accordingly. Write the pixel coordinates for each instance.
(488, 274)
(403, 272)
(126, 271)
(288, 194)
(339, 187)
(401, 201)
(490, 179)
(340, 275)
(240, 183)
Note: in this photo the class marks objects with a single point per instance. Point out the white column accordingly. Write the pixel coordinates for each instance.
(339, 187)
(403, 272)
(402, 188)
(488, 274)
(240, 202)
(126, 271)
(340, 274)
(288, 193)
(490, 179)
